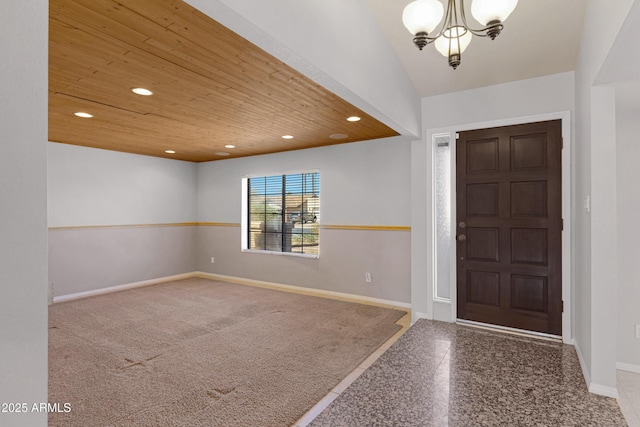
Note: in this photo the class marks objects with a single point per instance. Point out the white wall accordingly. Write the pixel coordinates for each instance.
(89, 187)
(604, 237)
(621, 69)
(452, 111)
(23, 221)
(509, 100)
(361, 184)
(595, 323)
(118, 218)
(336, 43)
(98, 198)
(628, 153)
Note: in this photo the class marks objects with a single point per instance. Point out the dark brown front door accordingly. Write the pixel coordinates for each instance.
(509, 224)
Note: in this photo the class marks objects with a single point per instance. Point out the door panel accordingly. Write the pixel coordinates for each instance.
(509, 242)
(482, 199)
(529, 198)
(483, 244)
(483, 287)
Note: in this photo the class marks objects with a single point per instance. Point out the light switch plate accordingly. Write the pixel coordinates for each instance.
(587, 203)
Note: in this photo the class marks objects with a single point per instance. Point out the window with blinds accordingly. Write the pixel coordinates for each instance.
(283, 213)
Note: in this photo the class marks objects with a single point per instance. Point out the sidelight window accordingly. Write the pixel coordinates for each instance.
(442, 223)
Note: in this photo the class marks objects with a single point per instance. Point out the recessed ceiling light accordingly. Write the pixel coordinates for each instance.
(338, 136)
(353, 119)
(141, 91)
(229, 146)
(287, 137)
(221, 153)
(169, 151)
(83, 115)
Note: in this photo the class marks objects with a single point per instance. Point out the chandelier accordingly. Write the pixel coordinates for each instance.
(421, 17)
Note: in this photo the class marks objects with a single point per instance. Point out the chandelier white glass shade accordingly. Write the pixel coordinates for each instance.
(421, 17)
(452, 43)
(488, 11)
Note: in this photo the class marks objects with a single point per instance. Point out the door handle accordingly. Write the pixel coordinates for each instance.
(462, 237)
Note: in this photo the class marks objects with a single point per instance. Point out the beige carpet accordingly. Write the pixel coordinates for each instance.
(198, 352)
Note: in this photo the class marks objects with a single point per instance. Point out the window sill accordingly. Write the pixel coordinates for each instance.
(254, 251)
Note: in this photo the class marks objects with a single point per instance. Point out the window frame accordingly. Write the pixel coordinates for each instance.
(245, 225)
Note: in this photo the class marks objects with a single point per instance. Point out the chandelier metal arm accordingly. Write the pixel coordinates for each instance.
(492, 30)
(423, 17)
(422, 39)
(480, 32)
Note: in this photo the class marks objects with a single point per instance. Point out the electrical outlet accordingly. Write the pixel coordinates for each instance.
(638, 331)
(367, 277)
(212, 260)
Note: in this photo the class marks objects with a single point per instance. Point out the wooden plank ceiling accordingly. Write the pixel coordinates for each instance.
(211, 87)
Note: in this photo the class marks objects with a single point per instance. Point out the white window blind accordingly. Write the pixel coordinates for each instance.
(283, 213)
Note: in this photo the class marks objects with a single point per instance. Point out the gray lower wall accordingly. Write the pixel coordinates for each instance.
(345, 256)
(90, 258)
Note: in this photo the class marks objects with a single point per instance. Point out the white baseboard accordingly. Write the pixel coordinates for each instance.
(303, 290)
(419, 315)
(593, 387)
(237, 280)
(583, 365)
(117, 288)
(603, 390)
(628, 367)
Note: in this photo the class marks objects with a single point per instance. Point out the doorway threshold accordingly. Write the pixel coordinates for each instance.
(508, 330)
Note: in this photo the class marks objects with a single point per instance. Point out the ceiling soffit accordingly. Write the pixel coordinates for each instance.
(211, 87)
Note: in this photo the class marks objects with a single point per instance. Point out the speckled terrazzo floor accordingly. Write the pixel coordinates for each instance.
(442, 374)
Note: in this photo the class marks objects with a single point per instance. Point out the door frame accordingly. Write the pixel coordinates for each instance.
(440, 309)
